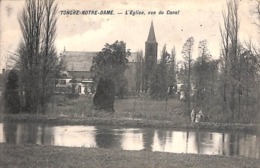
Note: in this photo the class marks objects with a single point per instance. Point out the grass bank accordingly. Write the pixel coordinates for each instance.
(136, 107)
(128, 122)
(49, 156)
(130, 108)
(133, 112)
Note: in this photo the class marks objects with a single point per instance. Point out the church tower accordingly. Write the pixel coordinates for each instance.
(150, 55)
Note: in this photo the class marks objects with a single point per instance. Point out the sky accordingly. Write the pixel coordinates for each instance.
(200, 19)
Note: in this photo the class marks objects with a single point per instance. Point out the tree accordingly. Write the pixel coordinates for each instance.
(139, 69)
(111, 63)
(49, 55)
(158, 80)
(202, 73)
(171, 79)
(187, 56)
(247, 85)
(105, 95)
(11, 93)
(257, 12)
(230, 56)
(37, 55)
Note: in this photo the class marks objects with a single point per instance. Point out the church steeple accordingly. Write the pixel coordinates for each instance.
(151, 36)
(150, 56)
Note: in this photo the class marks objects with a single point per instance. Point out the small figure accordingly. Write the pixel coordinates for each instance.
(192, 115)
(199, 116)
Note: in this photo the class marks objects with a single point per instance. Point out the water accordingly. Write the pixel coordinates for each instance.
(163, 140)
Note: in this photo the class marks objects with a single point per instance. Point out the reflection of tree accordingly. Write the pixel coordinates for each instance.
(106, 138)
(257, 146)
(232, 140)
(198, 140)
(237, 144)
(223, 144)
(162, 137)
(46, 136)
(187, 141)
(31, 131)
(26, 133)
(10, 130)
(148, 136)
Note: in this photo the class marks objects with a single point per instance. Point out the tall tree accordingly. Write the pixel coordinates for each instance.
(202, 73)
(230, 56)
(49, 55)
(159, 86)
(139, 72)
(111, 63)
(187, 56)
(171, 79)
(37, 55)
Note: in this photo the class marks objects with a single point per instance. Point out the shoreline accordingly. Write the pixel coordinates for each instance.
(54, 156)
(129, 122)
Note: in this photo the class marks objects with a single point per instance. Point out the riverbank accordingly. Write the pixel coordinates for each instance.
(50, 156)
(129, 122)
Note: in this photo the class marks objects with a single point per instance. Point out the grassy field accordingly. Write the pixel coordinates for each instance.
(134, 108)
(145, 108)
(124, 108)
(48, 156)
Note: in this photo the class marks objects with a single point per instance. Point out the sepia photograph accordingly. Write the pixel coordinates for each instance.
(130, 83)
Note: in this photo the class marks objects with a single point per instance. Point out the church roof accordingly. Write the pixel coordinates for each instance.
(82, 60)
(78, 61)
(151, 35)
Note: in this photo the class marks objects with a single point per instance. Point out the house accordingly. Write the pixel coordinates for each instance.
(77, 75)
(78, 65)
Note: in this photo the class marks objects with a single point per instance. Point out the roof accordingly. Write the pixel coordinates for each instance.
(78, 61)
(82, 60)
(151, 36)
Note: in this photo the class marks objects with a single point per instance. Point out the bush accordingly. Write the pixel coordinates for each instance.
(105, 95)
(11, 94)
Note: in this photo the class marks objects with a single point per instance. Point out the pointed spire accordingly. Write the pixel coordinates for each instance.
(151, 35)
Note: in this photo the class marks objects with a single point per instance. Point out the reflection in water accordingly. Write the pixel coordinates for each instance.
(132, 139)
(107, 138)
(73, 136)
(1, 133)
(164, 140)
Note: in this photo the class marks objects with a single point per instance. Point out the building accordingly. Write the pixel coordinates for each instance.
(78, 64)
(77, 74)
(151, 48)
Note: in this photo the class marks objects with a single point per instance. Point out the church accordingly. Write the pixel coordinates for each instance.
(78, 64)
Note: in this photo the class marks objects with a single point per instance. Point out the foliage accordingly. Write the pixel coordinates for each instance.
(105, 95)
(11, 93)
(238, 75)
(171, 77)
(139, 75)
(202, 74)
(37, 55)
(111, 63)
(159, 86)
(187, 56)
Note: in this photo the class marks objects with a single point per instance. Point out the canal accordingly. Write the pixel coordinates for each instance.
(231, 143)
